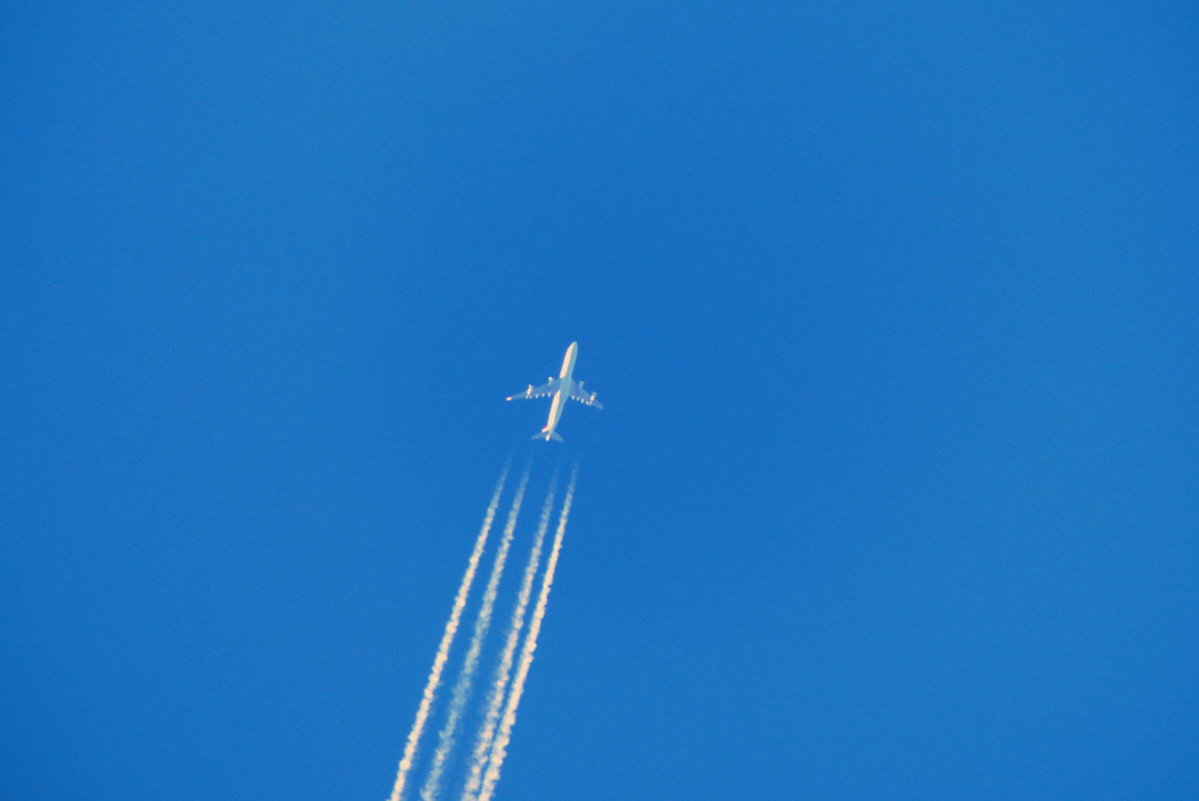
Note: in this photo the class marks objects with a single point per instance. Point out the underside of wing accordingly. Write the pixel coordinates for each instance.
(583, 396)
(543, 391)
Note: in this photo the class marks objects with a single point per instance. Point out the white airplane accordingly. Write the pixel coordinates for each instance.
(562, 387)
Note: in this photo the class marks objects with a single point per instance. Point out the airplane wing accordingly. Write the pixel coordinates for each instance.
(587, 398)
(543, 391)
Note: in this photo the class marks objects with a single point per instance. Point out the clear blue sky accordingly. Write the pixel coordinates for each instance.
(894, 311)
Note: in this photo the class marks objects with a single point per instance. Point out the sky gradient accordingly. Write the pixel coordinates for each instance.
(892, 311)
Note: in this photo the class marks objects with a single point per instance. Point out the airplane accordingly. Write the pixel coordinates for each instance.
(562, 387)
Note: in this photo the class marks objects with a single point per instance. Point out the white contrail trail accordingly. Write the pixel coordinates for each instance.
(503, 670)
(500, 747)
(443, 650)
(462, 687)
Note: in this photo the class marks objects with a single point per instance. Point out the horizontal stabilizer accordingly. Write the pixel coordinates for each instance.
(553, 435)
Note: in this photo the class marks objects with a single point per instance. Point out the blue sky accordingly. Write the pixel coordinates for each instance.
(892, 311)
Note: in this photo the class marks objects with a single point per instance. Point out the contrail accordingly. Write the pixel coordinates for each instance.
(462, 687)
(443, 650)
(500, 747)
(503, 670)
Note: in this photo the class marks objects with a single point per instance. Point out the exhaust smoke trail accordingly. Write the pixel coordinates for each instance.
(443, 650)
(500, 747)
(503, 670)
(462, 687)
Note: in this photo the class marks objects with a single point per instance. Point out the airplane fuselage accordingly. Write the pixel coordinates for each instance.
(564, 390)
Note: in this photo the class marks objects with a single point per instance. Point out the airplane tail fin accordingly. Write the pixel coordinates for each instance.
(553, 435)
